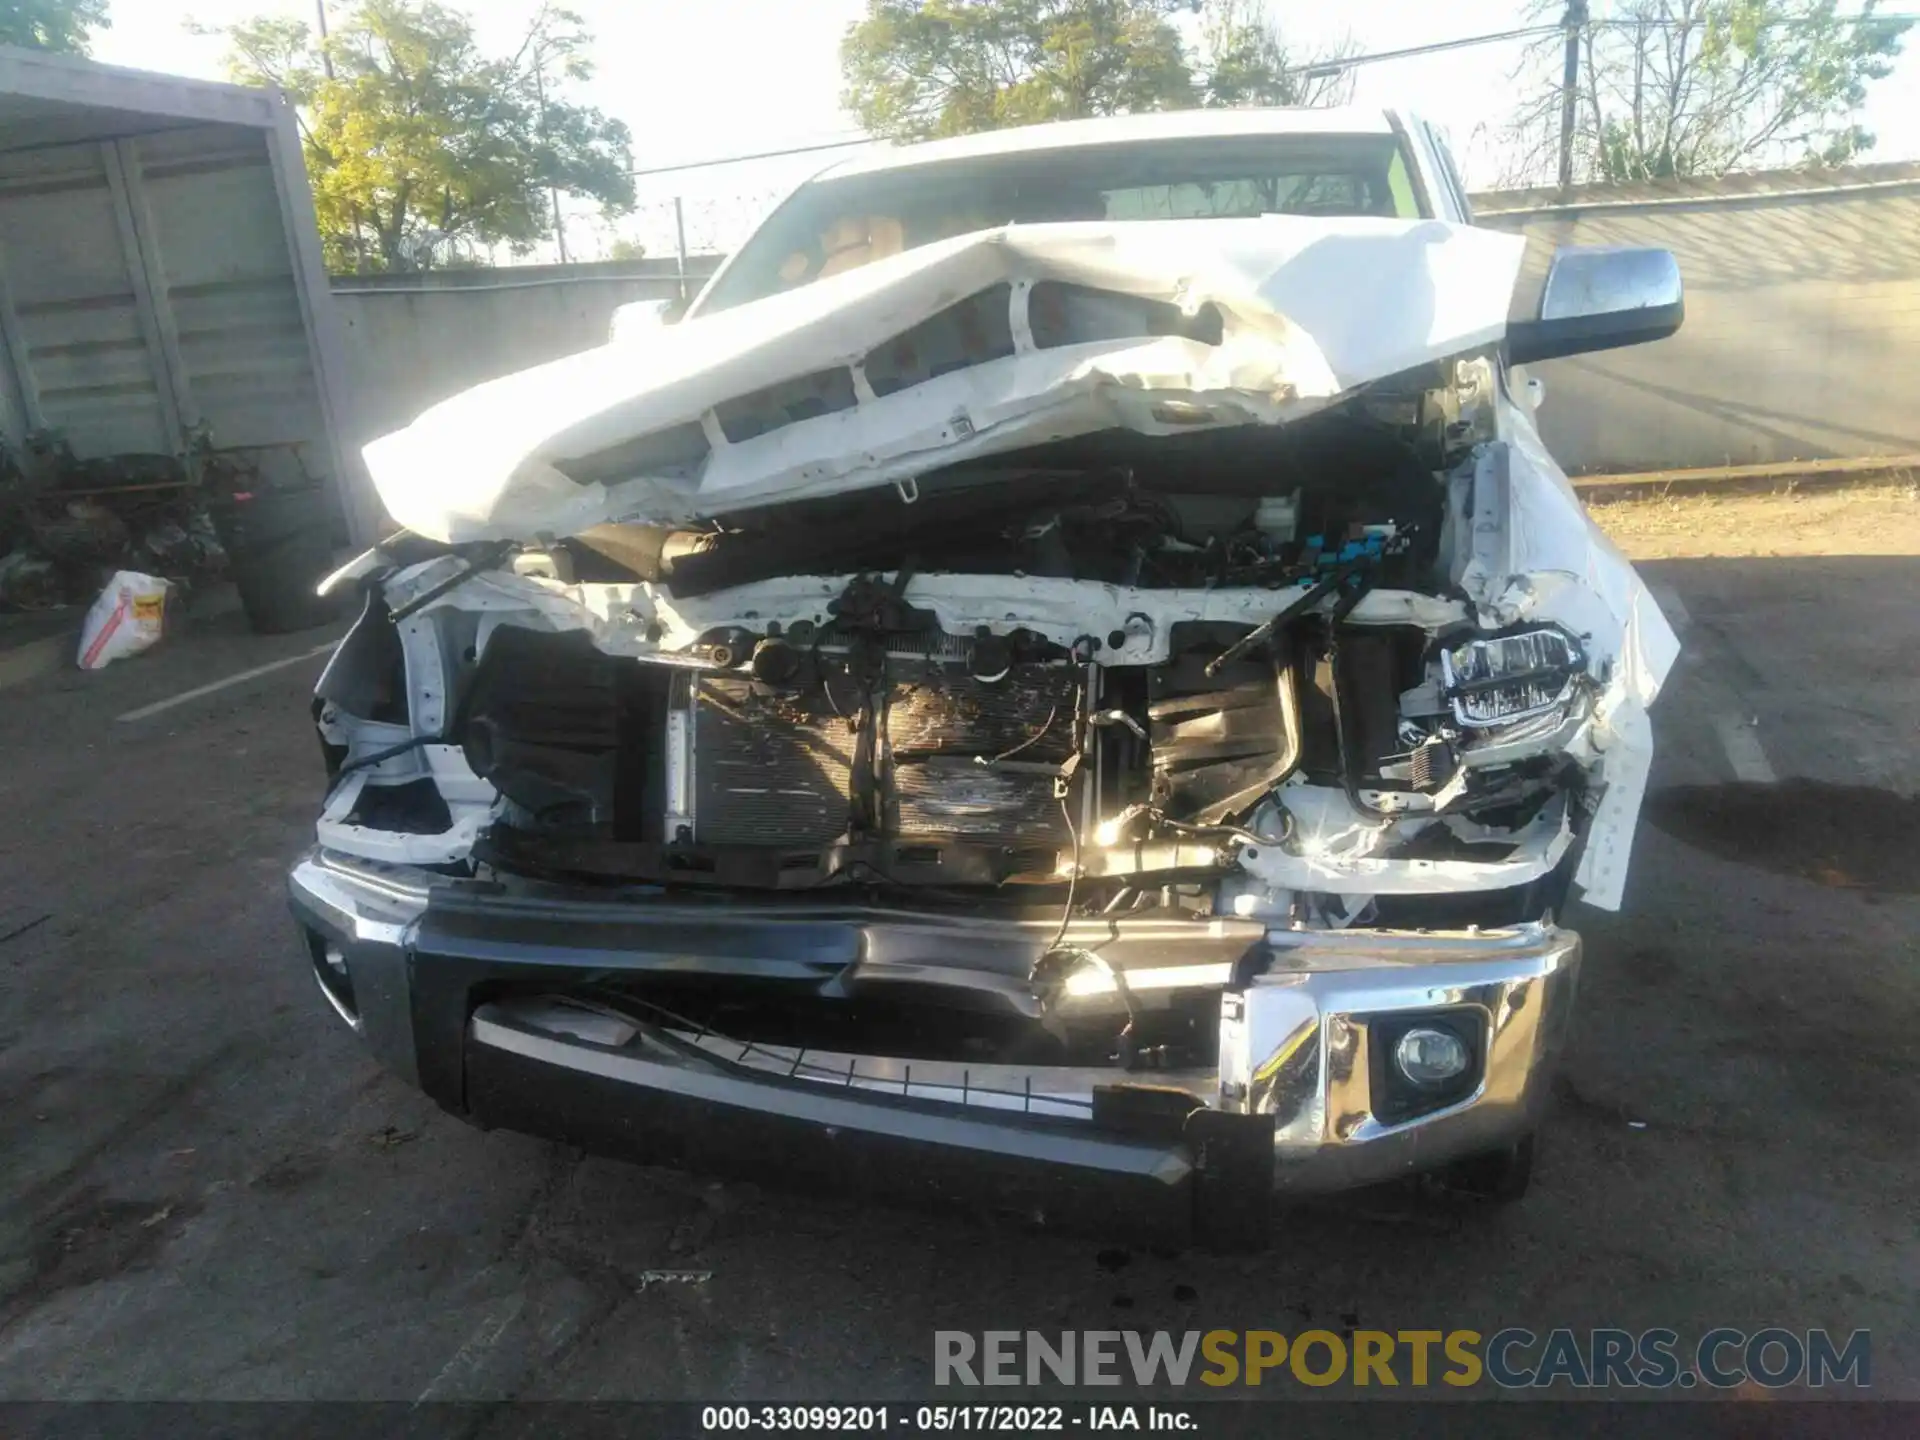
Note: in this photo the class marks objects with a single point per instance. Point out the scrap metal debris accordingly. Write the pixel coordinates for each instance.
(65, 522)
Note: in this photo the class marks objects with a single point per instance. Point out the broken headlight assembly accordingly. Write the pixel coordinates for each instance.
(1498, 680)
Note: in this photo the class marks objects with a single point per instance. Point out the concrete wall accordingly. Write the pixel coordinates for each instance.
(1802, 337)
(412, 340)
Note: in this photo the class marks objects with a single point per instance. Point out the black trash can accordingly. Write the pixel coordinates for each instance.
(279, 544)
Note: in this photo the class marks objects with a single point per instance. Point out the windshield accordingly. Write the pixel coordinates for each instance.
(835, 225)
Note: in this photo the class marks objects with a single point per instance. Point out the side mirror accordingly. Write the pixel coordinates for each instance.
(642, 317)
(1600, 297)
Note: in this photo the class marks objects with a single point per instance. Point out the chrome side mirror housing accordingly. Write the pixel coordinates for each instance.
(1601, 297)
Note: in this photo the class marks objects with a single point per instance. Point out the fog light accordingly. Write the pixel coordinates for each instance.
(330, 969)
(1429, 1056)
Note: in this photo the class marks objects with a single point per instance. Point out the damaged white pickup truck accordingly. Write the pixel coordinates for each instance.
(1068, 677)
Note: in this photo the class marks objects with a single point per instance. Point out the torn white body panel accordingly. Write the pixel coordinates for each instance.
(1307, 310)
(444, 765)
(1336, 850)
(1537, 555)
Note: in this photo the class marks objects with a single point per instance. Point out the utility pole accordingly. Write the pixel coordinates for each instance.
(1574, 22)
(680, 245)
(553, 191)
(326, 59)
(326, 68)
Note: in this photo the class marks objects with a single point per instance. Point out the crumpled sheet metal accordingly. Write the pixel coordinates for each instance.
(1538, 556)
(1311, 309)
(1546, 563)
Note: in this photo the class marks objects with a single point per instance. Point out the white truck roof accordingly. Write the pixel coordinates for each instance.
(1120, 130)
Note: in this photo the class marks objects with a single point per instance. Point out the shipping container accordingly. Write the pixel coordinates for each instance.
(161, 283)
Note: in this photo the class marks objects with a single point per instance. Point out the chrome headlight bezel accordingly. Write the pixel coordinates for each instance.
(1542, 662)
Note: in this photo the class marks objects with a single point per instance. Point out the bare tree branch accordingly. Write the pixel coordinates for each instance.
(1678, 87)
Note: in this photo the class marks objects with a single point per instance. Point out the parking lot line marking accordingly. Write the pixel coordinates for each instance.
(245, 675)
(1744, 754)
(468, 1356)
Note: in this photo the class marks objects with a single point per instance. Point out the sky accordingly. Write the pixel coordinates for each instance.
(713, 78)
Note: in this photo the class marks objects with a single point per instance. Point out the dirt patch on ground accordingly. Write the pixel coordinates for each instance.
(93, 1238)
(1868, 520)
(1847, 836)
(290, 1172)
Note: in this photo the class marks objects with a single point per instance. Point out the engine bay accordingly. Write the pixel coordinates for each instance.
(1275, 707)
(1239, 507)
(1030, 758)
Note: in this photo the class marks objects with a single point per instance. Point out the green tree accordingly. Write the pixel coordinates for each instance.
(920, 68)
(1245, 62)
(421, 149)
(1701, 87)
(52, 24)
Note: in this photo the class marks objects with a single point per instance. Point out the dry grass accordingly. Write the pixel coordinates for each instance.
(1864, 520)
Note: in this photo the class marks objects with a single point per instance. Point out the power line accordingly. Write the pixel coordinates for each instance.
(1333, 66)
(1329, 67)
(757, 155)
(1782, 22)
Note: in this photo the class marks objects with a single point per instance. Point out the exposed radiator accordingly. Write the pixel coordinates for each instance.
(769, 769)
(775, 768)
(941, 722)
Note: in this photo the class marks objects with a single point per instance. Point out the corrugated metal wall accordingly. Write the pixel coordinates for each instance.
(79, 337)
(229, 282)
(149, 288)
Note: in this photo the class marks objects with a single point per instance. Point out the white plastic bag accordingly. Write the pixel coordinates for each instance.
(128, 617)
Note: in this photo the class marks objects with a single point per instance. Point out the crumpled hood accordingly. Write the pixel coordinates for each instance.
(884, 373)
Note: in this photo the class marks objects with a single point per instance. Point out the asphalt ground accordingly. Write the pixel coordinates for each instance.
(209, 1192)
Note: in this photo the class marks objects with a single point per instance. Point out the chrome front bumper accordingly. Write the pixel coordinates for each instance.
(1297, 1069)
